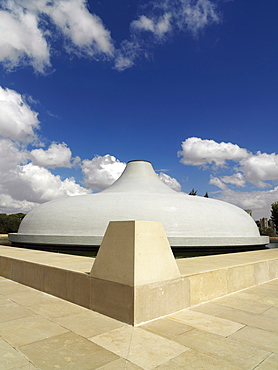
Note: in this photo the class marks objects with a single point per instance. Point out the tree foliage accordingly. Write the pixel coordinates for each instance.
(268, 231)
(193, 192)
(274, 214)
(10, 223)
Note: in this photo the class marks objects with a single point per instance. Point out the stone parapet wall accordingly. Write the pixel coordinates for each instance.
(239, 271)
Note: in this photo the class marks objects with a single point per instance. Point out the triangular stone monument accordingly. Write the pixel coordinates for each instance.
(136, 273)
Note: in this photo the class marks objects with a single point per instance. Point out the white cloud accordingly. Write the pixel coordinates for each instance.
(260, 167)
(26, 31)
(198, 152)
(10, 156)
(23, 184)
(57, 155)
(235, 179)
(101, 171)
(21, 40)
(28, 28)
(170, 181)
(196, 15)
(160, 19)
(258, 201)
(217, 182)
(248, 168)
(17, 120)
(158, 26)
(37, 184)
(127, 54)
(10, 205)
(83, 29)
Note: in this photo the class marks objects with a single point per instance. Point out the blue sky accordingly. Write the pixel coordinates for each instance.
(190, 85)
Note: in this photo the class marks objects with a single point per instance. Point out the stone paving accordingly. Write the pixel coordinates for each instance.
(40, 331)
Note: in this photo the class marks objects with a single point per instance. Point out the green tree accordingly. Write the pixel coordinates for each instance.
(268, 231)
(206, 195)
(10, 223)
(274, 214)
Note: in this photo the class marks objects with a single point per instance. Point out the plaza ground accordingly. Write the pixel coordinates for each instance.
(236, 331)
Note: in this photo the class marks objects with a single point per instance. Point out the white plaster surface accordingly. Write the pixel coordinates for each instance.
(139, 195)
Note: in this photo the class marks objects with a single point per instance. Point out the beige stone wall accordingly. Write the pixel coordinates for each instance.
(148, 301)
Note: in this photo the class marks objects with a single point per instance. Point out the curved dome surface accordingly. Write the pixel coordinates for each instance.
(139, 195)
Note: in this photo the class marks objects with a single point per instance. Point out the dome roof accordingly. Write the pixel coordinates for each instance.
(139, 194)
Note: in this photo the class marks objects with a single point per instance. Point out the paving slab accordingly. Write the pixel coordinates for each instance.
(205, 322)
(238, 331)
(13, 359)
(142, 348)
(88, 323)
(242, 355)
(258, 337)
(197, 360)
(271, 363)
(67, 351)
(166, 328)
(250, 319)
(29, 329)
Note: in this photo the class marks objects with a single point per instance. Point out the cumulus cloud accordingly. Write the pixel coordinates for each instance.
(17, 120)
(26, 31)
(11, 155)
(258, 201)
(23, 184)
(236, 179)
(253, 170)
(217, 182)
(170, 181)
(198, 152)
(85, 30)
(57, 155)
(21, 40)
(10, 205)
(101, 171)
(36, 184)
(260, 167)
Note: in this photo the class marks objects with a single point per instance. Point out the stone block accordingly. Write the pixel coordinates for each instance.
(261, 271)
(158, 299)
(32, 275)
(240, 277)
(17, 271)
(78, 289)
(6, 267)
(55, 281)
(113, 299)
(207, 286)
(273, 269)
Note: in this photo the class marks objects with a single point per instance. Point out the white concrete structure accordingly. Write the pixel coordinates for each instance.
(139, 195)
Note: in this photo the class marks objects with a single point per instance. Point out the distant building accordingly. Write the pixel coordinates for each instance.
(264, 223)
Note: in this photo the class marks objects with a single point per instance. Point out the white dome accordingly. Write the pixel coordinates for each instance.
(139, 195)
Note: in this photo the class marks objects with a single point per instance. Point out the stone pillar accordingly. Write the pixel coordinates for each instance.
(136, 278)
